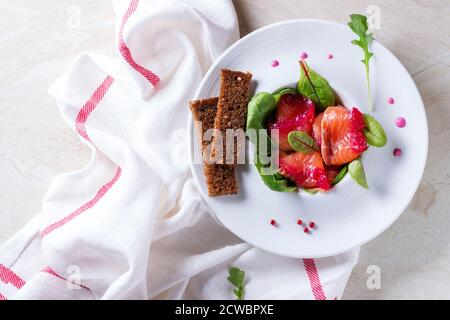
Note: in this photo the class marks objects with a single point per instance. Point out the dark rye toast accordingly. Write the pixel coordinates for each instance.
(220, 178)
(231, 113)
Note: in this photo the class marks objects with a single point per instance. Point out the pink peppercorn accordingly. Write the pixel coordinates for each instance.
(397, 152)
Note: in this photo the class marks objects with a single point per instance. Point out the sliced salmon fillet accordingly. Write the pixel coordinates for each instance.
(294, 112)
(317, 129)
(291, 106)
(342, 137)
(306, 170)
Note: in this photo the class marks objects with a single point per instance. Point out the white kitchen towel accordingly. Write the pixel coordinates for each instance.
(131, 225)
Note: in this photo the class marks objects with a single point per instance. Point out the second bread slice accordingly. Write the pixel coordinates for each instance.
(231, 114)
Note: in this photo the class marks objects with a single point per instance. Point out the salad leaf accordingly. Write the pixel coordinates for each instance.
(273, 179)
(315, 87)
(356, 171)
(300, 141)
(278, 93)
(358, 24)
(236, 278)
(311, 190)
(260, 107)
(340, 175)
(374, 132)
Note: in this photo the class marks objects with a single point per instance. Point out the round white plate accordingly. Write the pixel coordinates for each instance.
(348, 215)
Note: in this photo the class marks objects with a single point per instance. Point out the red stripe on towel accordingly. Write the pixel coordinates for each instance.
(50, 271)
(80, 124)
(2, 297)
(126, 52)
(9, 276)
(90, 105)
(314, 279)
(100, 194)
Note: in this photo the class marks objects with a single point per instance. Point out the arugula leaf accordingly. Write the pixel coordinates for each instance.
(374, 132)
(340, 175)
(260, 107)
(300, 141)
(236, 278)
(315, 87)
(356, 171)
(358, 24)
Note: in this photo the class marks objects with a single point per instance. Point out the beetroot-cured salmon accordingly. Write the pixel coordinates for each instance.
(294, 113)
(342, 137)
(306, 170)
(317, 129)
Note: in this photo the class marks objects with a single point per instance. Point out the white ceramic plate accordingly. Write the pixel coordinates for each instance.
(348, 215)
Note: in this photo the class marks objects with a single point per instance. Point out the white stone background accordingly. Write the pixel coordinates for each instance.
(40, 38)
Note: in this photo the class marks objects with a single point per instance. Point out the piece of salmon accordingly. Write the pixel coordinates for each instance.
(342, 137)
(306, 170)
(294, 113)
(317, 129)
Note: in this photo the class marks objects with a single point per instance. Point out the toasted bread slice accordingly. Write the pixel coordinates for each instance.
(231, 114)
(220, 178)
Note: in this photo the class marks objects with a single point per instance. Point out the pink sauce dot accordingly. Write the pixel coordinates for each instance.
(391, 100)
(330, 56)
(303, 56)
(401, 122)
(397, 152)
(274, 63)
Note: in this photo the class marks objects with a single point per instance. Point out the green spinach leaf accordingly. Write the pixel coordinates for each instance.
(273, 179)
(300, 141)
(315, 87)
(311, 190)
(260, 107)
(278, 93)
(356, 171)
(340, 175)
(374, 132)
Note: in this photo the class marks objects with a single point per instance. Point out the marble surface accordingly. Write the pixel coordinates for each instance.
(40, 38)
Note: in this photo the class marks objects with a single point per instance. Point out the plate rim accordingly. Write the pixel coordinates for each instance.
(191, 129)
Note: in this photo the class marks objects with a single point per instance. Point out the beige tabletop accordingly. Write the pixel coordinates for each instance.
(40, 38)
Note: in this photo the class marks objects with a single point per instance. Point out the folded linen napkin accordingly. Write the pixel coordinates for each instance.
(131, 225)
